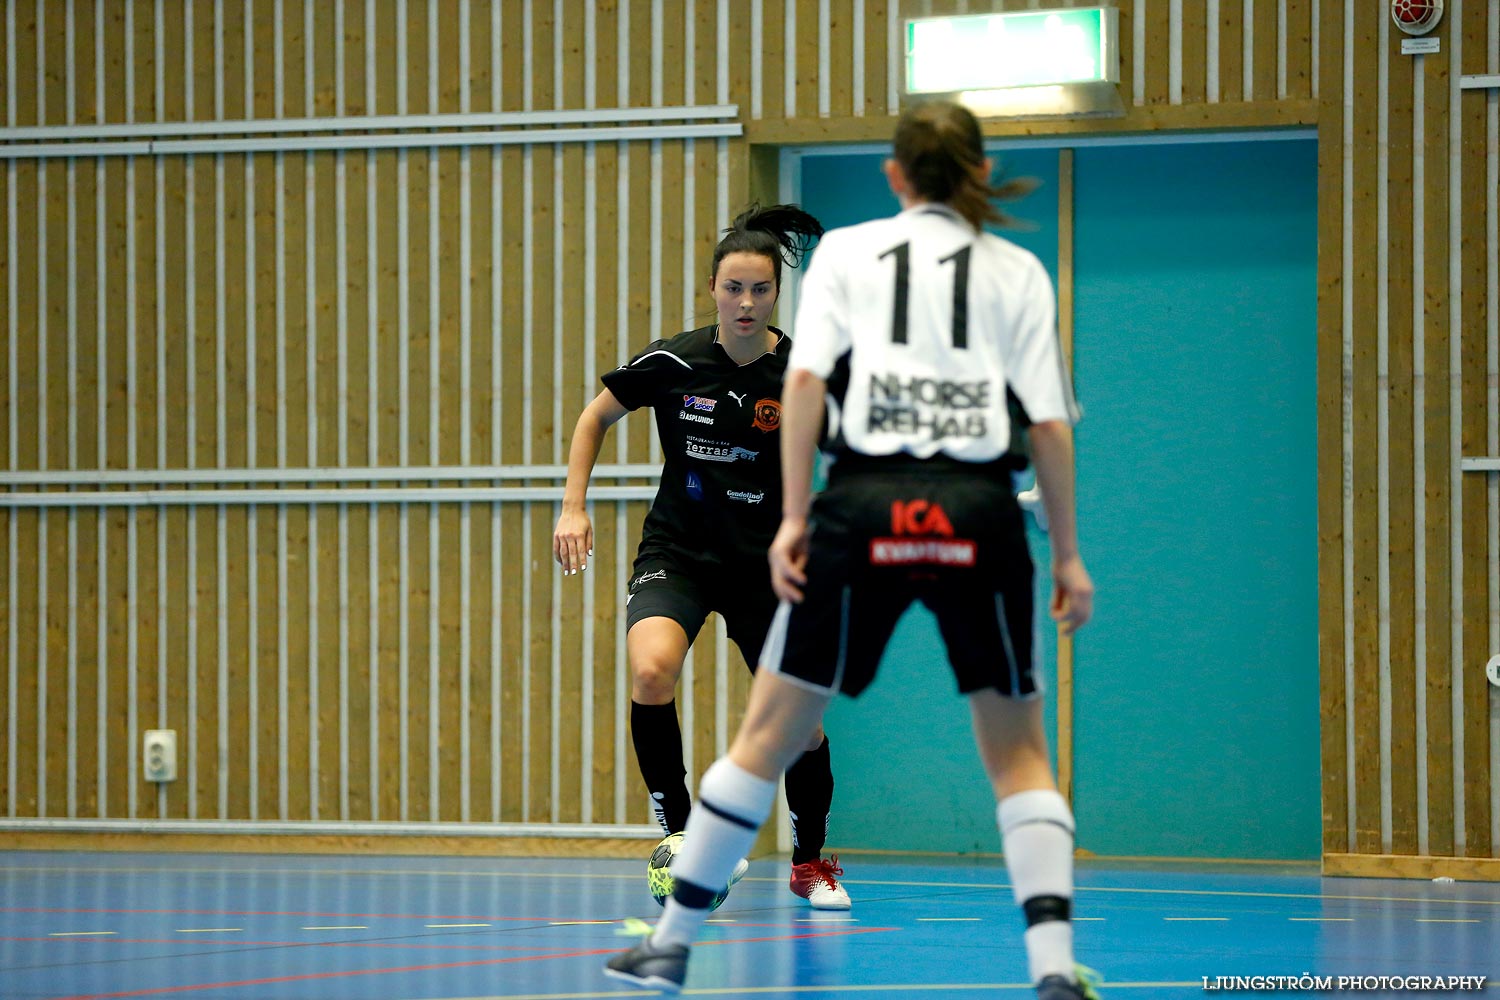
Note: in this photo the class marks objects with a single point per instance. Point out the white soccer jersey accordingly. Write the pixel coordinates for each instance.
(920, 325)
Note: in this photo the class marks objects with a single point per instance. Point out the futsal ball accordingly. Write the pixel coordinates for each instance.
(659, 871)
(1415, 17)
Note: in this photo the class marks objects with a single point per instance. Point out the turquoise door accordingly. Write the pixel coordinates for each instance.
(1195, 730)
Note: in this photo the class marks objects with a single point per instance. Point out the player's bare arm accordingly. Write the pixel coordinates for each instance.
(1072, 590)
(573, 538)
(801, 417)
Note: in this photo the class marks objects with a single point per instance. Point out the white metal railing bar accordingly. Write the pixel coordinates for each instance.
(1480, 464)
(264, 126)
(424, 140)
(339, 827)
(342, 474)
(281, 497)
(1479, 81)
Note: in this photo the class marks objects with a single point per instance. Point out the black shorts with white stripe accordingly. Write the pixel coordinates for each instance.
(881, 538)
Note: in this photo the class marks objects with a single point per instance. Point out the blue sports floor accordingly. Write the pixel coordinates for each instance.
(319, 928)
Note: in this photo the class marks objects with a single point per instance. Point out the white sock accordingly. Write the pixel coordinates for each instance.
(732, 804)
(1036, 829)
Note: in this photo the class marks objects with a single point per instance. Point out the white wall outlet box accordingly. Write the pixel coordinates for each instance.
(1492, 670)
(159, 755)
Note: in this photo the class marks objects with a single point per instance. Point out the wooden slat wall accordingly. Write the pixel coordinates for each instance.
(1410, 243)
(425, 662)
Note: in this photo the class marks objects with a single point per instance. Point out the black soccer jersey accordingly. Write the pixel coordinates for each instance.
(719, 423)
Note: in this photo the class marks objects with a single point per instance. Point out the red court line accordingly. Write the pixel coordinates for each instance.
(304, 977)
(156, 991)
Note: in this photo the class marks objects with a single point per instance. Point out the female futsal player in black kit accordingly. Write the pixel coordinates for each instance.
(716, 392)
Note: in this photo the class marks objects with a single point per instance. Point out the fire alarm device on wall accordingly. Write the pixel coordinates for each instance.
(1416, 17)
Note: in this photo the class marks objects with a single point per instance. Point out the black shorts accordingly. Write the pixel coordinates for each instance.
(953, 540)
(685, 589)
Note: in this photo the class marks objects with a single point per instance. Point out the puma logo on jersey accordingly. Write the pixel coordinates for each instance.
(738, 397)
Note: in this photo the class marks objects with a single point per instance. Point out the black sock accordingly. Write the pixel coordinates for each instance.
(658, 750)
(809, 796)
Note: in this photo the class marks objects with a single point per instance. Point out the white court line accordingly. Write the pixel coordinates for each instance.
(947, 920)
(348, 927)
(441, 926)
(208, 930)
(1197, 919)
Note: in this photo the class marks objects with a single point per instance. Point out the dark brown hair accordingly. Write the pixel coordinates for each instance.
(940, 150)
(778, 232)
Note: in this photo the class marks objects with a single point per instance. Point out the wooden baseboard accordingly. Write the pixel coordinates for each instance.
(1405, 866)
(238, 843)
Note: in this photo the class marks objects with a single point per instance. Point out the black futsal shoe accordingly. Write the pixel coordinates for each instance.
(650, 966)
(1062, 988)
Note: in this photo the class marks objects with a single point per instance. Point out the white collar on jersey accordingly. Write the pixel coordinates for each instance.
(780, 336)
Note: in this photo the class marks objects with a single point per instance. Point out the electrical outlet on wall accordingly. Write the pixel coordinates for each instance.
(1492, 670)
(159, 755)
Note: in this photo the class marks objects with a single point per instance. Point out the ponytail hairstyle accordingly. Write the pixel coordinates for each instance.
(940, 150)
(778, 232)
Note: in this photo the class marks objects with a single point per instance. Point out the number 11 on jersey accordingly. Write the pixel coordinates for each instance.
(960, 260)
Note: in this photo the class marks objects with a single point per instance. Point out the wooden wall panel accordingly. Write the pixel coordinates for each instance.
(1437, 462)
(1231, 54)
(1331, 541)
(1400, 412)
(1365, 484)
(1475, 541)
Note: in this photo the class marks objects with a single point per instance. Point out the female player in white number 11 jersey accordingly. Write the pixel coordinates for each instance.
(915, 334)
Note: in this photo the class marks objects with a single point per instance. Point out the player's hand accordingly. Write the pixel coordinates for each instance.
(1072, 595)
(788, 558)
(573, 541)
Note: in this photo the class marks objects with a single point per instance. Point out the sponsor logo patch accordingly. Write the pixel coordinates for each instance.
(694, 486)
(699, 403)
(767, 415)
(921, 552)
(656, 574)
(919, 517)
(745, 495)
(696, 418)
(718, 451)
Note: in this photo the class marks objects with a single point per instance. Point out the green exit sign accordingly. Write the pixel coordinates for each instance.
(946, 55)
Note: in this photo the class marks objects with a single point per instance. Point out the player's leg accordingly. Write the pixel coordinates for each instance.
(734, 799)
(736, 795)
(985, 613)
(656, 648)
(663, 616)
(1036, 830)
(809, 778)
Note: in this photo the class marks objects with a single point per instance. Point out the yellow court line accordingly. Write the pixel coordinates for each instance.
(444, 926)
(1446, 920)
(81, 933)
(947, 920)
(347, 927)
(1197, 919)
(566, 923)
(208, 930)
